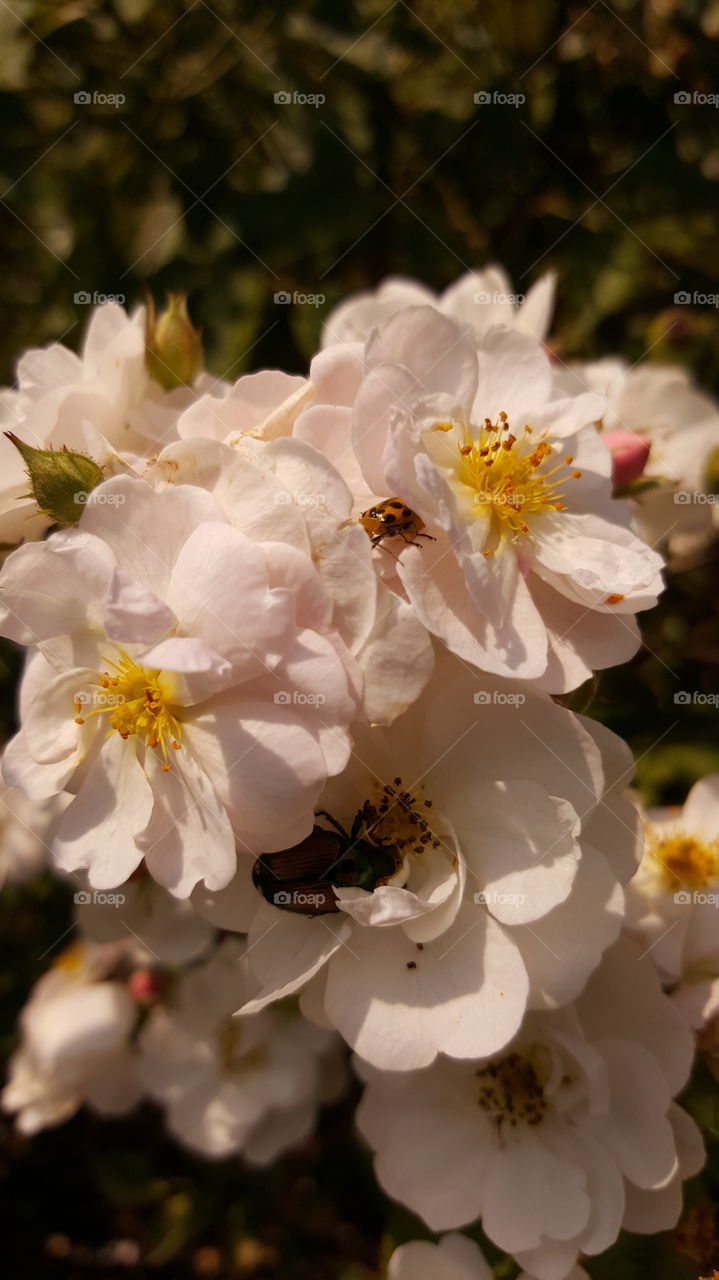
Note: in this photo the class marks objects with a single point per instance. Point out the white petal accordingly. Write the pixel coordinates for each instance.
(100, 828)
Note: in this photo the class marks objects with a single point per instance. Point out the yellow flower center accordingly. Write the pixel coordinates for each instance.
(137, 701)
(511, 1089)
(509, 474)
(72, 960)
(234, 1053)
(686, 861)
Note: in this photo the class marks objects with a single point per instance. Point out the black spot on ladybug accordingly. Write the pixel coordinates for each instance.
(407, 513)
(388, 518)
(398, 507)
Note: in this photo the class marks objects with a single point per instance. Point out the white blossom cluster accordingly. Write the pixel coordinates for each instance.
(291, 728)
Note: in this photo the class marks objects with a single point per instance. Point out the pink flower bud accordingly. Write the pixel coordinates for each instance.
(144, 985)
(629, 454)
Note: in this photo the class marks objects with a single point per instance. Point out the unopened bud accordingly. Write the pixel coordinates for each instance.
(60, 481)
(173, 348)
(630, 452)
(145, 985)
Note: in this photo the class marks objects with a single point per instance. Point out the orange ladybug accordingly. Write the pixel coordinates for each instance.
(391, 518)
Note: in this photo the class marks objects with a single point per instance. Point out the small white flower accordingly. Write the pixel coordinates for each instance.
(75, 1043)
(454, 1257)
(187, 682)
(233, 1086)
(522, 562)
(557, 1143)
(478, 299)
(673, 901)
(478, 875)
(102, 402)
(662, 405)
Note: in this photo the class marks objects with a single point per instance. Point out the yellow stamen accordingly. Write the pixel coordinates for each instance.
(509, 474)
(137, 702)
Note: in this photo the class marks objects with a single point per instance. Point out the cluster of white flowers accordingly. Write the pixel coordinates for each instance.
(292, 675)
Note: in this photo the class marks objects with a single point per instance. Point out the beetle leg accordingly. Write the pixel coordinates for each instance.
(322, 813)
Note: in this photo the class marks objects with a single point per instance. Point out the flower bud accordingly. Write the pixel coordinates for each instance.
(629, 455)
(145, 985)
(60, 481)
(173, 348)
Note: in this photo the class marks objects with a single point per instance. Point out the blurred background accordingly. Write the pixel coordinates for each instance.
(238, 151)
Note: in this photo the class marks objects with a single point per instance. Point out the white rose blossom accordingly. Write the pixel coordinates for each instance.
(187, 683)
(479, 874)
(673, 901)
(101, 402)
(661, 405)
(454, 1257)
(560, 1141)
(534, 571)
(74, 1042)
(478, 299)
(522, 561)
(232, 1087)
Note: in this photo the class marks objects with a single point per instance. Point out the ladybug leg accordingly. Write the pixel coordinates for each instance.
(410, 542)
(428, 536)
